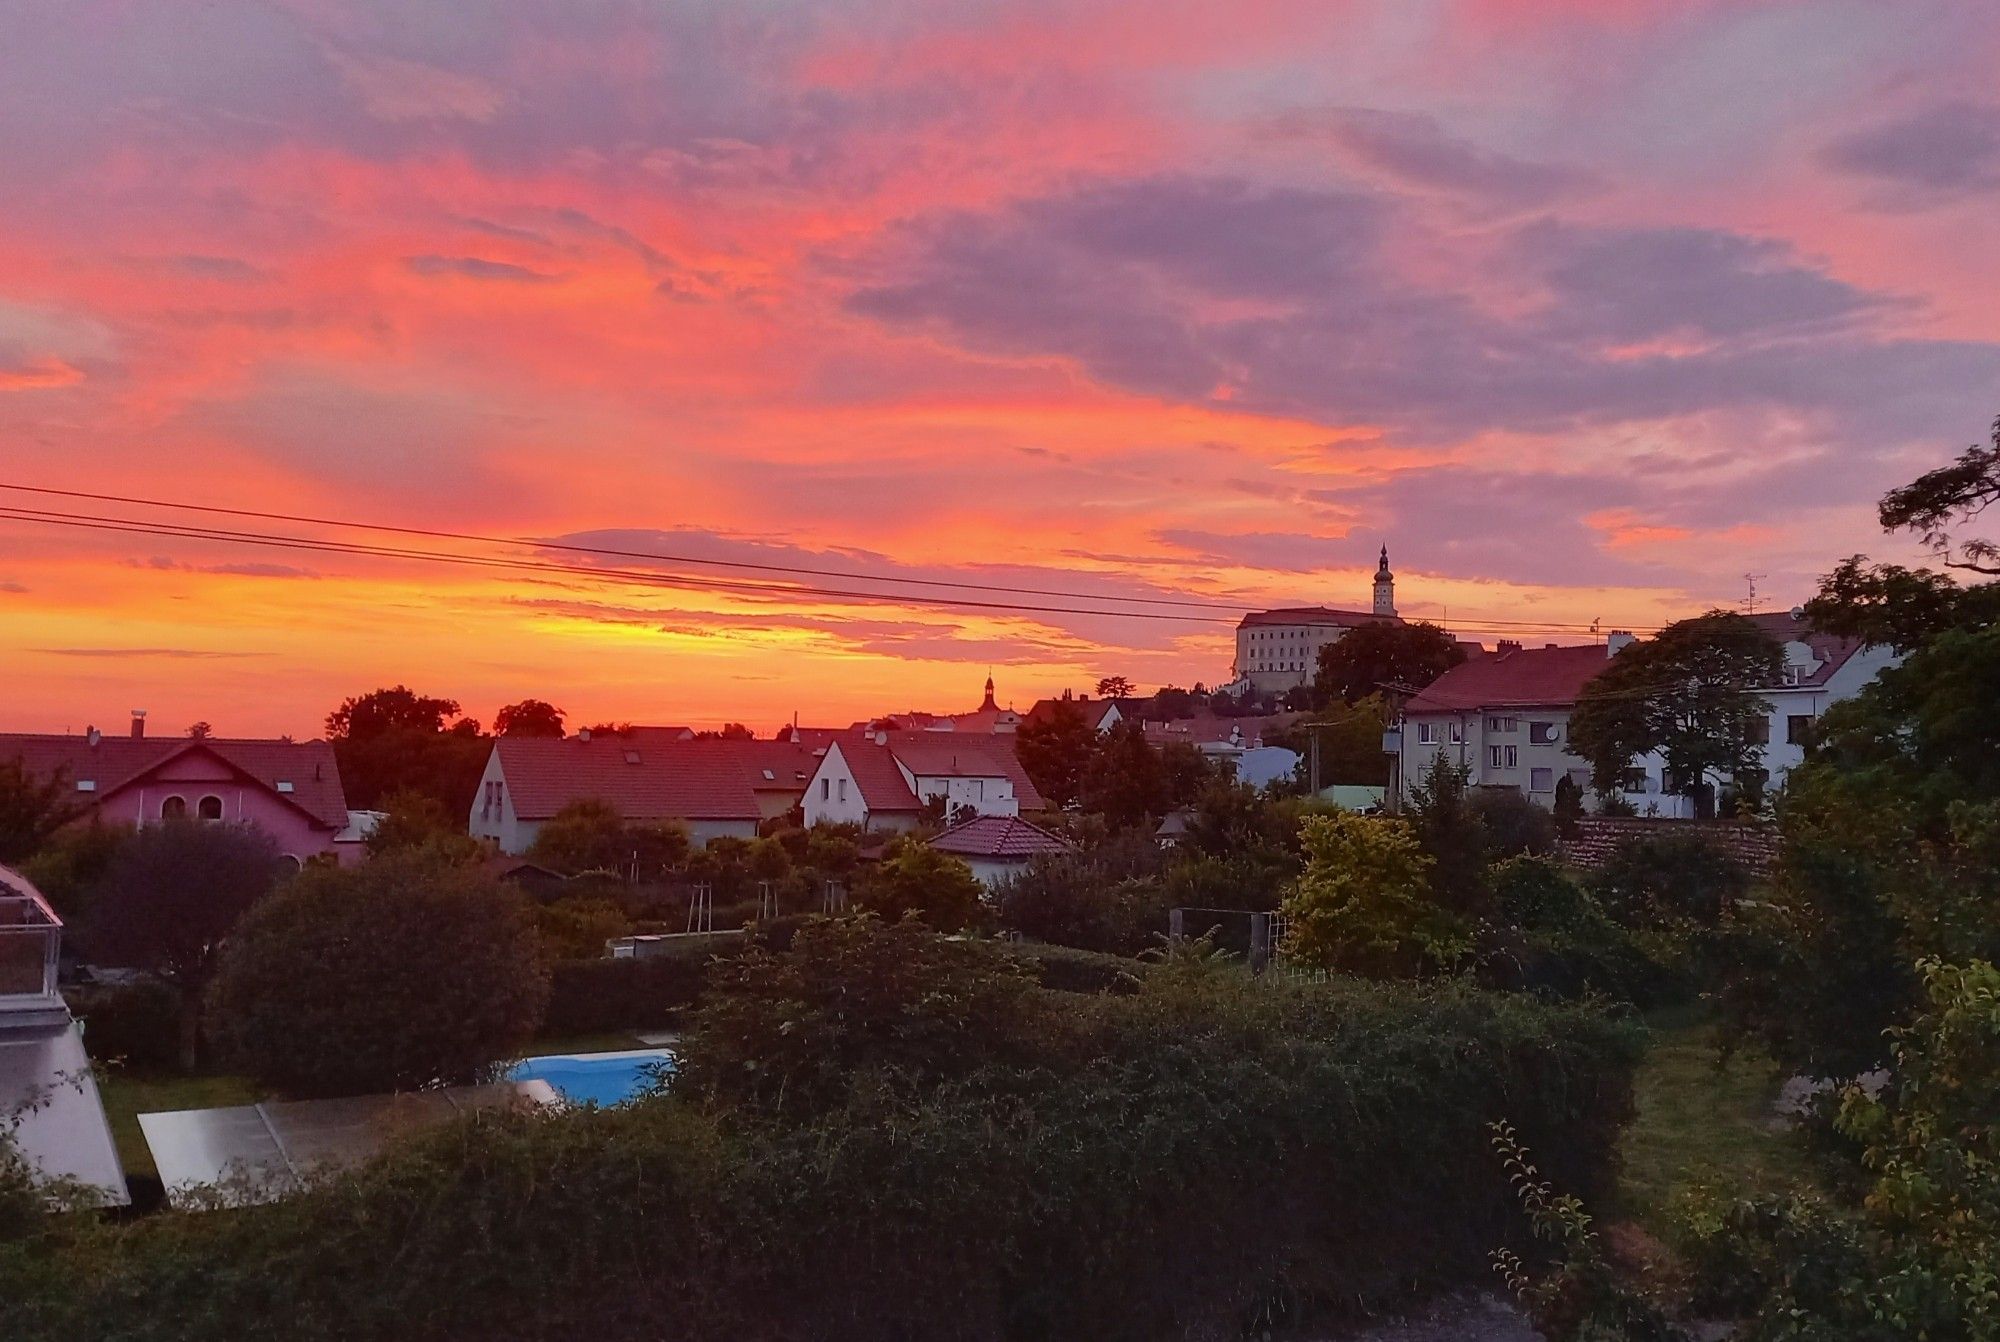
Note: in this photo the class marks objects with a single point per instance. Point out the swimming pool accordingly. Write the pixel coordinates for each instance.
(597, 1078)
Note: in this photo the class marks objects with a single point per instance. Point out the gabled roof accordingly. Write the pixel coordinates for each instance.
(1311, 615)
(999, 836)
(1547, 677)
(1831, 651)
(1213, 730)
(117, 762)
(652, 777)
(1093, 711)
(931, 755)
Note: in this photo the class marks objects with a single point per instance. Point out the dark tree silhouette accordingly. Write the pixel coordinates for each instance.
(530, 717)
(1367, 657)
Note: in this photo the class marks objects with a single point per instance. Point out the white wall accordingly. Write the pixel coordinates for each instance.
(985, 796)
(833, 796)
(499, 823)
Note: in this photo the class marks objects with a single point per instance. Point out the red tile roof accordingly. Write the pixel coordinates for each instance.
(999, 836)
(116, 762)
(932, 755)
(1310, 615)
(1217, 730)
(652, 777)
(1517, 678)
(1093, 710)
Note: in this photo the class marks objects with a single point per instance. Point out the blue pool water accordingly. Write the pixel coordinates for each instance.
(597, 1078)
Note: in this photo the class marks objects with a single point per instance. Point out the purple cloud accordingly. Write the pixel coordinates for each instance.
(1944, 152)
(474, 268)
(1414, 149)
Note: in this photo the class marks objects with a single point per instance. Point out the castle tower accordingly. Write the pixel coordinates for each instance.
(988, 705)
(1385, 587)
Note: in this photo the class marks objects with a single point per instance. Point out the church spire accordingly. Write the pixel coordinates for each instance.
(1385, 587)
(988, 705)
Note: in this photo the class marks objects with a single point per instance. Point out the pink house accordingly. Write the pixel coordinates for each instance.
(289, 789)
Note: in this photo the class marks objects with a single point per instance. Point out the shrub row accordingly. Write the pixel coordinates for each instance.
(137, 1025)
(1066, 969)
(596, 996)
(1214, 1153)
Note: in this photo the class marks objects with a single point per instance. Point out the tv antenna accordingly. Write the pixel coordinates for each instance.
(1750, 601)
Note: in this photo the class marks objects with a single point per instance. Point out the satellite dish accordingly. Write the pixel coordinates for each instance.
(1798, 612)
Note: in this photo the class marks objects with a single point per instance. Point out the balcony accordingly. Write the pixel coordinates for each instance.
(30, 941)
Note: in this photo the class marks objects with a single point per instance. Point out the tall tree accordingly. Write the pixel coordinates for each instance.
(1690, 693)
(1115, 687)
(1126, 782)
(530, 717)
(171, 895)
(31, 809)
(1937, 502)
(1056, 751)
(1364, 659)
(396, 740)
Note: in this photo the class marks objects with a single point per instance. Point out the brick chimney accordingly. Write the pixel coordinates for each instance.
(138, 724)
(1619, 640)
(1507, 645)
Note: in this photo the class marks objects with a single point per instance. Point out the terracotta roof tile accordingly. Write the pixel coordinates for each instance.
(1518, 677)
(651, 778)
(999, 836)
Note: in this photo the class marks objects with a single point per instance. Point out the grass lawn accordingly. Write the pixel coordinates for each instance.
(127, 1095)
(1701, 1122)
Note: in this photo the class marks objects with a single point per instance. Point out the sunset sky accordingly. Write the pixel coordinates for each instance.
(1586, 308)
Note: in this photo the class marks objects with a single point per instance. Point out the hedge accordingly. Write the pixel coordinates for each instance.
(1213, 1158)
(135, 1024)
(1066, 969)
(597, 996)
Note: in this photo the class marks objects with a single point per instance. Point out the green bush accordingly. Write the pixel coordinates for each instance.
(1674, 878)
(1554, 939)
(1178, 1161)
(599, 996)
(135, 1024)
(1070, 970)
(388, 976)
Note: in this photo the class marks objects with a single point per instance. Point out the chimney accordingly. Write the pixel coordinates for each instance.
(583, 735)
(92, 735)
(1620, 640)
(138, 724)
(1507, 645)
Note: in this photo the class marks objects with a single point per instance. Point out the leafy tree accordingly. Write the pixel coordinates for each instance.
(1938, 501)
(530, 717)
(1172, 702)
(1364, 659)
(1056, 752)
(1126, 782)
(170, 897)
(1896, 607)
(1452, 834)
(1690, 693)
(1350, 743)
(394, 975)
(855, 999)
(1106, 897)
(413, 820)
(70, 867)
(1513, 825)
(915, 879)
(396, 740)
(200, 731)
(31, 809)
(590, 835)
(1115, 687)
(1363, 903)
(1568, 807)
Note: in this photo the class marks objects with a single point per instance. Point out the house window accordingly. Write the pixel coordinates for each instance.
(173, 808)
(1458, 733)
(826, 789)
(1427, 733)
(843, 789)
(1493, 756)
(209, 808)
(1541, 780)
(1798, 728)
(1759, 732)
(1503, 725)
(1542, 733)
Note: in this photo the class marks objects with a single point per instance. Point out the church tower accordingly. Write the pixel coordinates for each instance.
(1385, 587)
(988, 705)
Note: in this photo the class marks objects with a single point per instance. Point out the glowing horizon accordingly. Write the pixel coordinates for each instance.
(1587, 311)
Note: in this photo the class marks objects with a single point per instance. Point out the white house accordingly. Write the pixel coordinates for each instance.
(714, 788)
(1505, 717)
(999, 847)
(881, 780)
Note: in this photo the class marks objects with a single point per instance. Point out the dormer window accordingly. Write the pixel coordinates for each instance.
(631, 757)
(285, 785)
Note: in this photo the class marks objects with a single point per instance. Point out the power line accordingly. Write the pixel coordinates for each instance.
(184, 530)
